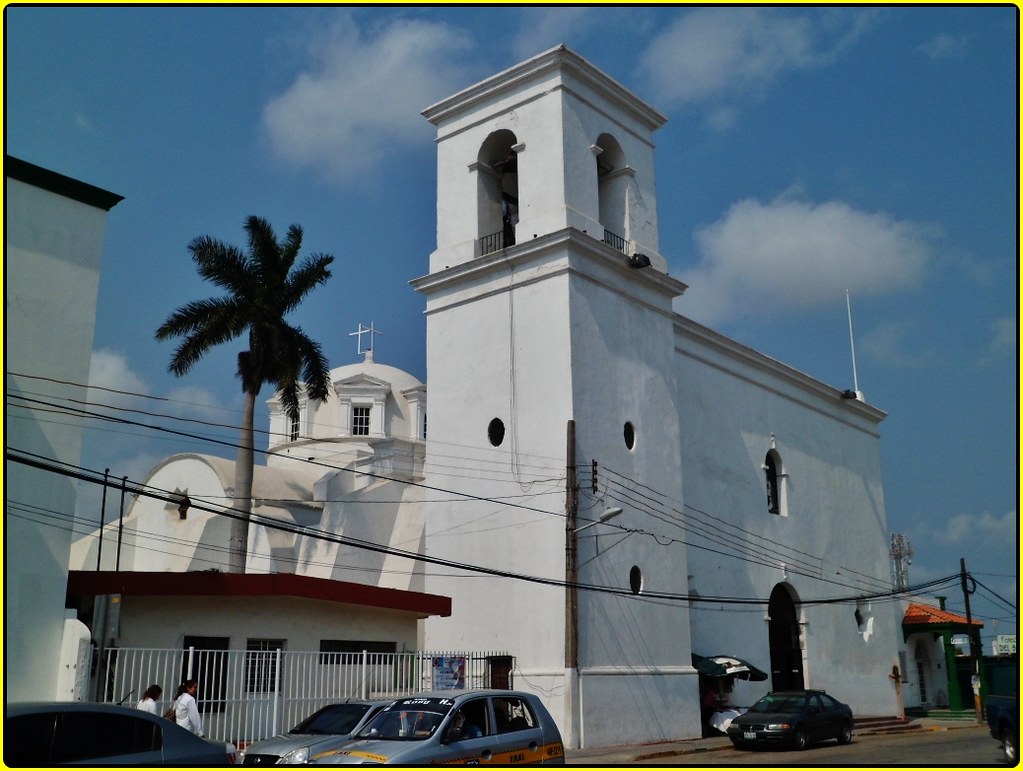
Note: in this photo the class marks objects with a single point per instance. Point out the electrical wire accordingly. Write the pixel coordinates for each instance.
(170, 497)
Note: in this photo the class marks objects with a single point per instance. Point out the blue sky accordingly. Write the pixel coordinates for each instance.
(808, 151)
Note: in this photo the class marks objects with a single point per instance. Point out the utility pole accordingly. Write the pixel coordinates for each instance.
(571, 595)
(572, 712)
(974, 658)
(102, 521)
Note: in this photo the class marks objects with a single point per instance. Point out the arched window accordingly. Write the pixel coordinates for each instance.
(497, 191)
(775, 478)
(613, 177)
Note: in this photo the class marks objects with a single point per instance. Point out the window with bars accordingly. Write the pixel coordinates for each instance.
(294, 429)
(261, 665)
(360, 421)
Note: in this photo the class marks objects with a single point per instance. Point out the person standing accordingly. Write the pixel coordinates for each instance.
(186, 709)
(149, 699)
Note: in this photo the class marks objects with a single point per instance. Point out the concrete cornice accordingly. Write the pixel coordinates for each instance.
(559, 58)
(734, 357)
(537, 249)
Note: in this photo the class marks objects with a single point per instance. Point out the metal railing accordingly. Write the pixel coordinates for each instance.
(245, 696)
(495, 242)
(615, 241)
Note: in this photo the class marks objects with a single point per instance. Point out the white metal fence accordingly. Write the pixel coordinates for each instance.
(245, 696)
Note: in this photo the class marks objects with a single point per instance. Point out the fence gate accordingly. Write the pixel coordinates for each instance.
(245, 696)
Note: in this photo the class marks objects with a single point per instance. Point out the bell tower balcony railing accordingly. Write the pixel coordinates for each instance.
(615, 241)
(502, 239)
(495, 242)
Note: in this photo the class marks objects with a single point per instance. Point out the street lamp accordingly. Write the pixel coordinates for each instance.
(572, 605)
(571, 578)
(609, 514)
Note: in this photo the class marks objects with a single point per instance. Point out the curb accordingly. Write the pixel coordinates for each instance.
(683, 751)
(724, 745)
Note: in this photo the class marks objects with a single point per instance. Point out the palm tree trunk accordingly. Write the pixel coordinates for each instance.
(243, 471)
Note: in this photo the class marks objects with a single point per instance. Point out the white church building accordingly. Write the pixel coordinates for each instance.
(564, 386)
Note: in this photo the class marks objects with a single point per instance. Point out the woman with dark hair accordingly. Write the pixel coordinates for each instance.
(149, 699)
(186, 709)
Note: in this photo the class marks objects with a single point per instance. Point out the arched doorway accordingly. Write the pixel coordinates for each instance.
(786, 651)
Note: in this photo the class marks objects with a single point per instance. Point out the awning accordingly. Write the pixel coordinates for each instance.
(727, 666)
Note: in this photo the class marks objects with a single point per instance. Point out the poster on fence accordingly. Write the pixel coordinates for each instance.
(448, 673)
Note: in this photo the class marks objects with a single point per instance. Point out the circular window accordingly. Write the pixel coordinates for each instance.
(636, 579)
(630, 435)
(495, 432)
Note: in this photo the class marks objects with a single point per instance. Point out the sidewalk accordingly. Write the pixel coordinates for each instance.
(630, 753)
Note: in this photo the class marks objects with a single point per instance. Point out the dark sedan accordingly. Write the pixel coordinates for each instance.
(792, 718)
(72, 733)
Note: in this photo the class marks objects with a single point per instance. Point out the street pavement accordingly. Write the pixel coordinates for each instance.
(633, 753)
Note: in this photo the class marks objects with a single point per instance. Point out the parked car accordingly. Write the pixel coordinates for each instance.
(1003, 722)
(325, 729)
(498, 728)
(85, 733)
(793, 718)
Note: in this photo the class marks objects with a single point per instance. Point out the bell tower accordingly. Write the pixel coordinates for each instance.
(548, 303)
(549, 144)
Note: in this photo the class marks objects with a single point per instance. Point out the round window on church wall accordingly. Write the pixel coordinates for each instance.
(636, 579)
(630, 435)
(495, 432)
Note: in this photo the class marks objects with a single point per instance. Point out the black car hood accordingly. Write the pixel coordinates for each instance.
(748, 718)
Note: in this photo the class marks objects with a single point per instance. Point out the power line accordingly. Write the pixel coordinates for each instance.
(749, 549)
(170, 497)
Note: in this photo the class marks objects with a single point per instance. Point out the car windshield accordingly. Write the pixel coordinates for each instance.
(779, 703)
(335, 719)
(407, 720)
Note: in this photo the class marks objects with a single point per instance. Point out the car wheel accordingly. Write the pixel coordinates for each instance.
(1009, 748)
(845, 732)
(799, 739)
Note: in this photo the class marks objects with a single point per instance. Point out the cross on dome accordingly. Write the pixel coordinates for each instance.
(362, 330)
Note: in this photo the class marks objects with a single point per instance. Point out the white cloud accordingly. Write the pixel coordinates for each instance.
(791, 255)
(713, 53)
(944, 46)
(896, 344)
(360, 97)
(544, 27)
(109, 369)
(1003, 345)
(979, 528)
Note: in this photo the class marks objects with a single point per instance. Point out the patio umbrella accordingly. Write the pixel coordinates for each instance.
(723, 666)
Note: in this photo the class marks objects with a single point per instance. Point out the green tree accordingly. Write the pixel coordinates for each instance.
(262, 287)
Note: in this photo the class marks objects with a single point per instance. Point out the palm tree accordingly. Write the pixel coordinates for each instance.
(261, 289)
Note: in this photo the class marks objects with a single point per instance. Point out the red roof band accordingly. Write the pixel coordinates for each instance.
(202, 584)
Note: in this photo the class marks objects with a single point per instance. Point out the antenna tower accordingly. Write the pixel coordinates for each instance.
(901, 552)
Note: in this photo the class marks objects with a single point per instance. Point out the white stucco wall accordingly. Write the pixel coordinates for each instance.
(164, 622)
(154, 537)
(833, 541)
(52, 261)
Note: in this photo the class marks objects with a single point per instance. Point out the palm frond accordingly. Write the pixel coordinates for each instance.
(313, 272)
(222, 264)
